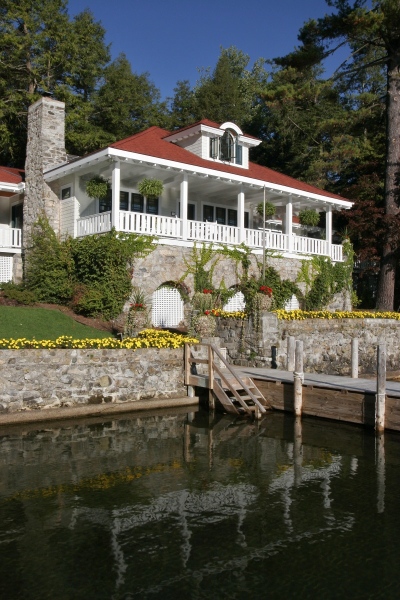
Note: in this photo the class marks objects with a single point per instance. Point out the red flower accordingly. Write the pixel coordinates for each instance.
(206, 291)
(207, 312)
(266, 290)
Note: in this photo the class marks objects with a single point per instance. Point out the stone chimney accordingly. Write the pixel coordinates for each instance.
(45, 149)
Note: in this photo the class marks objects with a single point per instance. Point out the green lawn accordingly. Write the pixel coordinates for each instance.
(42, 324)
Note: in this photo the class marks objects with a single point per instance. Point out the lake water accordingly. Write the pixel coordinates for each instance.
(191, 506)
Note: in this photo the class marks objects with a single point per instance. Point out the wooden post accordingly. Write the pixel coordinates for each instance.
(380, 471)
(380, 389)
(297, 451)
(291, 343)
(211, 398)
(298, 378)
(354, 358)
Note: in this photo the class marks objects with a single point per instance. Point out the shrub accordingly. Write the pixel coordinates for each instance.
(98, 187)
(19, 293)
(270, 209)
(309, 217)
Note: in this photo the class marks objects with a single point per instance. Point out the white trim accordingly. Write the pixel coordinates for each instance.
(193, 170)
(14, 188)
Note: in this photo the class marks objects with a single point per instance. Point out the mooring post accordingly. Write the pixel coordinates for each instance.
(380, 389)
(298, 378)
(354, 358)
(290, 353)
(297, 451)
(380, 471)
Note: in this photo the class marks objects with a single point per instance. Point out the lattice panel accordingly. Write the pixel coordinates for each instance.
(167, 308)
(6, 268)
(292, 304)
(235, 303)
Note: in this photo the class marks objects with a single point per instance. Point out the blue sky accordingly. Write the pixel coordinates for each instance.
(170, 40)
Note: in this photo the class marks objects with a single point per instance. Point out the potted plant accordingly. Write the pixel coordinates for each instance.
(151, 188)
(98, 187)
(269, 209)
(309, 217)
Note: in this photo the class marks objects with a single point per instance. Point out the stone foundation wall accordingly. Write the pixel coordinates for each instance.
(327, 343)
(34, 379)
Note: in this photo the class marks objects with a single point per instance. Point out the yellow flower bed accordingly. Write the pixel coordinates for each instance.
(299, 315)
(148, 338)
(237, 314)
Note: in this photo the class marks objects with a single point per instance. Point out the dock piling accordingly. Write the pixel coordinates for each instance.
(354, 358)
(290, 353)
(380, 388)
(298, 378)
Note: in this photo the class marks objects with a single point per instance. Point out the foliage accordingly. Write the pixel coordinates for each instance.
(43, 51)
(19, 293)
(270, 209)
(196, 264)
(49, 267)
(127, 102)
(98, 187)
(151, 188)
(182, 110)
(309, 217)
(104, 265)
(148, 338)
(92, 274)
(324, 279)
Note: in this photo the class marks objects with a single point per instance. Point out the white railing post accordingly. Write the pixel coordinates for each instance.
(116, 187)
(240, 213)
(289, 223)
(184, 205)
(328, 227)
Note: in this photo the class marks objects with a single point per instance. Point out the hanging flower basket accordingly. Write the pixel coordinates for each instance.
(309, 217)
(98, 187)
(269, 209)
(151, 188)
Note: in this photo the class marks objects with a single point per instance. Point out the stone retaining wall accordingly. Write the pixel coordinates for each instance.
(34, 379)
(327, 342)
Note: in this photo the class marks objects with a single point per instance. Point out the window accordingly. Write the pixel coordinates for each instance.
(232, 217)
(191, 211)
(124, 201)
(226, 148)
(66, 193)
(137, 202)
(152, 206)
(220, 215)
(17, 216)
(105, 204)
(208, 213)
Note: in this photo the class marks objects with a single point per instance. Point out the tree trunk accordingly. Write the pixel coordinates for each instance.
(386, 285)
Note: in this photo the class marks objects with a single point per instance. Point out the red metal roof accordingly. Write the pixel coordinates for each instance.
(11, 175)
(151, 143)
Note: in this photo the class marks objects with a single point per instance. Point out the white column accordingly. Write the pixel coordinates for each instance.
(328, 227)
(184, 205)
(240, 212)
(116, 187)
(289, 223)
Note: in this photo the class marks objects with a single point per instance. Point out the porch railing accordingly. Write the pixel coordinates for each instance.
(133, 222)
(99, 223)
(171, 227)
(10, 237)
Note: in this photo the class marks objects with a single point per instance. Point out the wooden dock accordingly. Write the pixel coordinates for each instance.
(328, 396)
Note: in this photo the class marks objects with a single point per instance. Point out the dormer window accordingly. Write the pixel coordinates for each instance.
(226, 148)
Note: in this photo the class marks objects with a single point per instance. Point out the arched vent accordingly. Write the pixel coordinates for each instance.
(167, 307)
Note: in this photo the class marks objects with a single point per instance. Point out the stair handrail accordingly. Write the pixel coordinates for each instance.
(236, 376)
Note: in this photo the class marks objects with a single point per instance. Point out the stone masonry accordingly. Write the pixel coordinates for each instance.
(327, 342)
(34, 379)
(45, 149)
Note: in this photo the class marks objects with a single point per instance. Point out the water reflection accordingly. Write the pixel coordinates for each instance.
(198, 506)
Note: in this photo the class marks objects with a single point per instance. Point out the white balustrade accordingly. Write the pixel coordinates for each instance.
(135, 222)
(213, 232)
(99, 223)
(10, 237)
(171, 227)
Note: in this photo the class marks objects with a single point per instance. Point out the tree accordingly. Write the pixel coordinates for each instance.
(373, 36)
(127, 102)
(182, 106)
(42, 51)
(231, 92)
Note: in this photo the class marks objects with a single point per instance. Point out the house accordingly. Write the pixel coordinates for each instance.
(211, 191)
(11, 208)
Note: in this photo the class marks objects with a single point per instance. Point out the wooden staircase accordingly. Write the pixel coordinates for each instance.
(236, 394)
